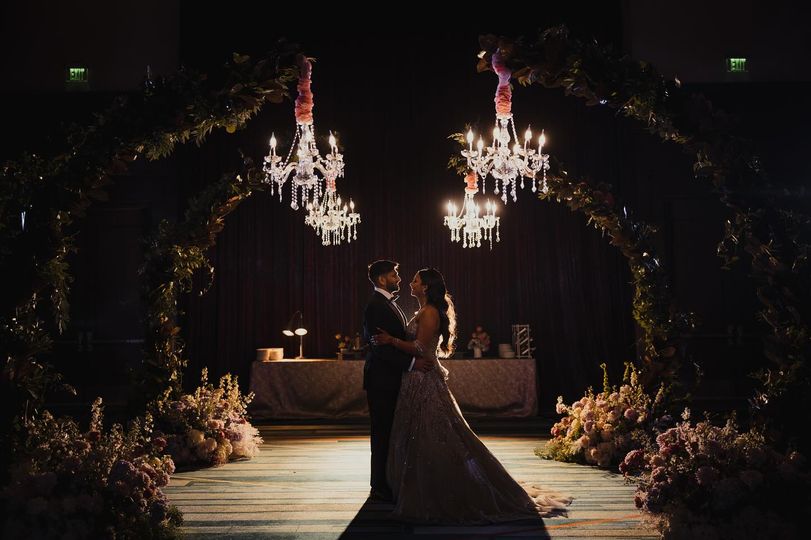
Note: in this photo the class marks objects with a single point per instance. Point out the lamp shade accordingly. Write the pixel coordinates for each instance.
(295, 326)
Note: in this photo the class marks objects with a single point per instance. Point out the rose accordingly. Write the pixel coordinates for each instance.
(210, 445)
(195, 437)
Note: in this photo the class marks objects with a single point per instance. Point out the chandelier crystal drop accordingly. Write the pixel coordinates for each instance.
(468, 224)
(331, 219)
(506, 159)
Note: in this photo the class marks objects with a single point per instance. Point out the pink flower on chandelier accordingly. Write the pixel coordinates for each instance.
(304, 100)
(503, 97)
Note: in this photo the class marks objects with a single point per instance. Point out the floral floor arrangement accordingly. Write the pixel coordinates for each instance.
(601, 429)
(69, 483)
(209, 426)
(716, 482)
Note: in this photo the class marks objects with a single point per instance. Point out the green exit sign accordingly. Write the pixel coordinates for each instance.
(77, 75)
(77, 78)
(736, 65)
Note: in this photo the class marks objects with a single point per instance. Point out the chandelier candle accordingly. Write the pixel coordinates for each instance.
(503, 163)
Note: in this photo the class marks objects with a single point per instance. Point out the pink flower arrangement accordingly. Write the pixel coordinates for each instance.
(67, 483)
(503, 97)
(304, 100)
(699, 480)
(601, 429)
(208, 427)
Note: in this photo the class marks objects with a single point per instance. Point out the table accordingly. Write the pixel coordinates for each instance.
(329, 388)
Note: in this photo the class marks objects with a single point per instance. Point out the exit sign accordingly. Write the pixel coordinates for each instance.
(77, 75)
(77, 78)
(736, 65)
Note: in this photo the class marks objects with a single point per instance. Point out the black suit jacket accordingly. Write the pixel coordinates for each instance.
(384, 363)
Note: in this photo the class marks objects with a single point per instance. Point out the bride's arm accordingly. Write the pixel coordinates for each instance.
(427, 327)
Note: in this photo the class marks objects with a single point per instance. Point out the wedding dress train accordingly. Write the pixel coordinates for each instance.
(440, 471)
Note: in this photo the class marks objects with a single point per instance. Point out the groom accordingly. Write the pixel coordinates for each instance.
(384, 367)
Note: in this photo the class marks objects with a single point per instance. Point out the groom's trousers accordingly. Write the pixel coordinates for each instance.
(382, 402)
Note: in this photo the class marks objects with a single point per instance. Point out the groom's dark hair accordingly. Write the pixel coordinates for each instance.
(378, 268)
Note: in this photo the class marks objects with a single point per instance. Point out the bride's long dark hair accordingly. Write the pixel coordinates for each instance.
(437, 295)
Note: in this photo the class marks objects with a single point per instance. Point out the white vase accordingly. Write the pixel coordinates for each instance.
(477, 352)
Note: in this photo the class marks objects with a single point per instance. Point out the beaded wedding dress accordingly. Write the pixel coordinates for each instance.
(439, 470)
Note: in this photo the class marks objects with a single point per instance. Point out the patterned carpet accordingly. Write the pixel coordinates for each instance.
(311, 482)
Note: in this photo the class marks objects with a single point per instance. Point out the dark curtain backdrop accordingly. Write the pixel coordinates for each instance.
(393, 102)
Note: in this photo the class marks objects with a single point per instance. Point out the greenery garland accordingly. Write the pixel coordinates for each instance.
(41, 197)
(53, 191)
(776, 241)
(653, 308)
(173, 256)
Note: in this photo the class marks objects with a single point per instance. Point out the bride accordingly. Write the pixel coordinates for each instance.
(438, 469)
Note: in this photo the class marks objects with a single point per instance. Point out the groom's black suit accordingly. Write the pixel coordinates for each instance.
(381, 379)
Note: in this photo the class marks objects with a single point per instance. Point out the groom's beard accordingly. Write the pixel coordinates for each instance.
(393, 288)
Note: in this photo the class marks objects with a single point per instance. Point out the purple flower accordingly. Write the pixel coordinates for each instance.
(666, 438)
(162, 479)
(653, 500)
(657, 461)
(160, 443)
(121, 470)
(659, 475)
(668, 450)
(634, 460)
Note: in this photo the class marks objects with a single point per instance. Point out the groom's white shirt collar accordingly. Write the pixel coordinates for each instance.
(385, 293)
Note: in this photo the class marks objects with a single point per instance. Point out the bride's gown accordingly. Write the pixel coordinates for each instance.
(439, 470)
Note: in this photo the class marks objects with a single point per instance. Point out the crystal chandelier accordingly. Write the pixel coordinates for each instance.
(307, 186)
(315, 176)
(503, 163)
(468, 225)
(331, 220)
